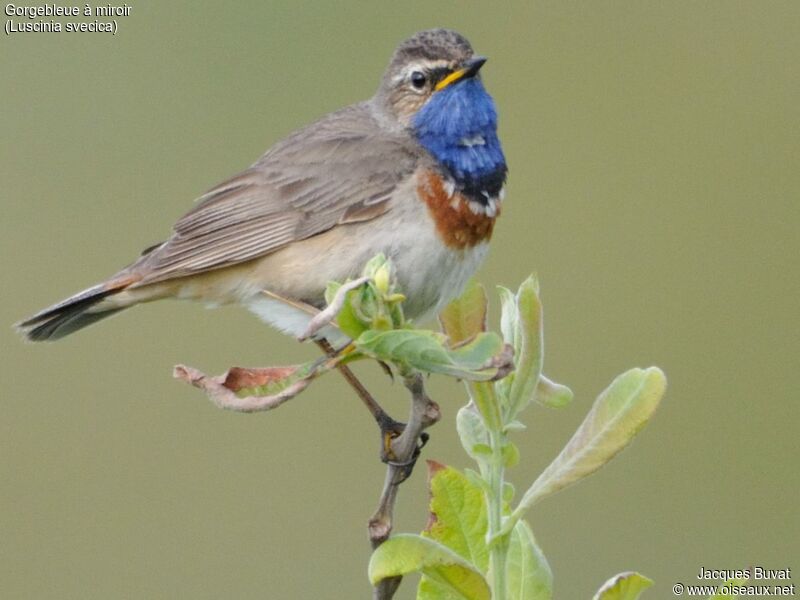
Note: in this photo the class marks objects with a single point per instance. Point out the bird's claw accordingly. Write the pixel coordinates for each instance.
(390, 430)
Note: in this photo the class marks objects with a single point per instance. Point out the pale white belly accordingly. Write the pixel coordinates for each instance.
(429, 273)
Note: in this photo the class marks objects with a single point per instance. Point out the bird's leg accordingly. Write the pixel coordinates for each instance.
(390, 428)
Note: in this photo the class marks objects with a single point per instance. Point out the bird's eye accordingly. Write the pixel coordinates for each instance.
(418, 79)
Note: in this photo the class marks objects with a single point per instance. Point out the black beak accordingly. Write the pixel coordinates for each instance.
(468, 70)
(473, 65)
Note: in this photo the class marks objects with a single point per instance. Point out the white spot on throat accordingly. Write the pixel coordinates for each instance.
(490, 207)
(449, 187)
(475, 140)
(475, 207)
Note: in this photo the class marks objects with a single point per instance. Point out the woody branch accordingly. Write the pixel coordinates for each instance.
(405, 448)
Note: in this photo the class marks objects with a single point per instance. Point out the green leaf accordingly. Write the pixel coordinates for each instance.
(552, 394)
(508, 492)
(426, 351)
(471, 431)
(376, 264)
(465, 317)
(508, 315)
(528, 576)
(481, 450)
(615, 418)
(458, 514)
(510, 455)
(514, 426)
(347, 319)
(508, 327)
(428, 589)
(625, 586)
(373, 305)
(487, 401)
(476, 480)
(407, 553)
(528, 351)
(485, 349)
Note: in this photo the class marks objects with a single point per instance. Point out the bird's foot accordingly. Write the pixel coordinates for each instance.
(390, 430)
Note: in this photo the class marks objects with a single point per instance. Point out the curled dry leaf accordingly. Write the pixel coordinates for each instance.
(263, 389)
(503, 362)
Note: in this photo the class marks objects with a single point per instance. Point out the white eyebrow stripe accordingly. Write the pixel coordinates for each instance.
(427, 65)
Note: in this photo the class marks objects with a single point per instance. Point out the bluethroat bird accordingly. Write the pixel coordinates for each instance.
(416, 172)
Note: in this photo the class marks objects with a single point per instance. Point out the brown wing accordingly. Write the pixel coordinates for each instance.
(343, 168)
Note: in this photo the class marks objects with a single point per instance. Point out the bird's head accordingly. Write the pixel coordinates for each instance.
(432, 88)
(426, 64)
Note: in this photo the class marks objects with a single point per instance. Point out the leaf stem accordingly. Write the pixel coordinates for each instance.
(493, 471)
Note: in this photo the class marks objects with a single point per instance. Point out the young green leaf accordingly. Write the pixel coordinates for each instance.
(471, 431)
(465, 317)
(528, 576)
(528, 352)
(488, 403)
(477, 481)
(552, 394)
(458, 514)
(347, 319)
(625, 586)
(481, 450)
(425, 350)
(508, 315)
(514, 426)
(407, 553)
(508, 328)
(508, 493)
(375, 264)
(615, 418)
(428, 589)
(510, 455)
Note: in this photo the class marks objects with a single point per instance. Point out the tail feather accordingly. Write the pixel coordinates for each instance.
(72, 314)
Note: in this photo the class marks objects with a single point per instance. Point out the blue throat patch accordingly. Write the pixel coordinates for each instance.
(458, 126)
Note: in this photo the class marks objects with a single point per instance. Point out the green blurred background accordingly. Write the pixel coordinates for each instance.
(653, 150)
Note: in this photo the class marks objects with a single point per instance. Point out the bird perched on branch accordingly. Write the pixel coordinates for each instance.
(416, 172)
